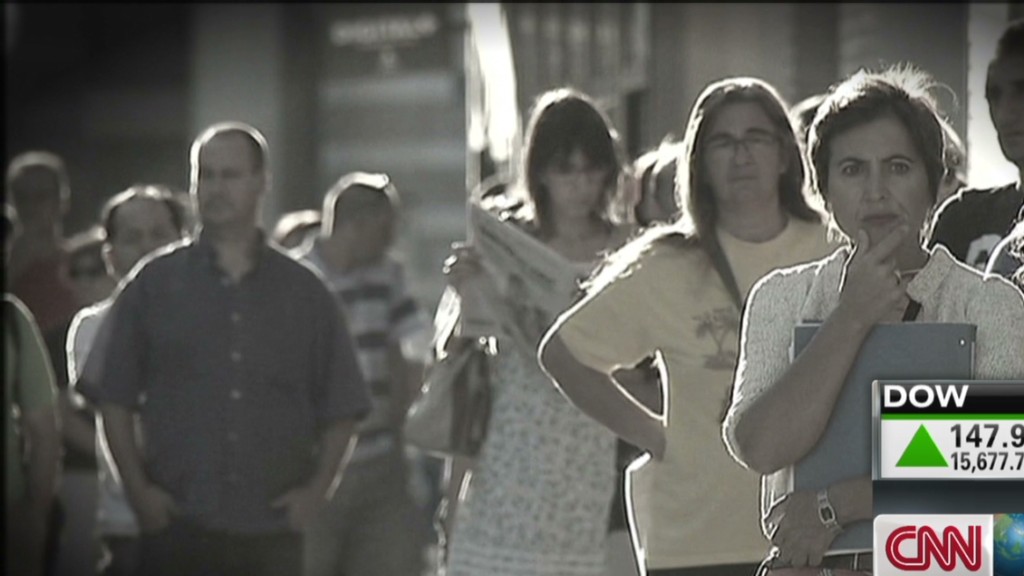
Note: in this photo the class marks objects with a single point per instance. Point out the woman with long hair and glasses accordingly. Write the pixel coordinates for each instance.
(876, 148)
(538, 497)
(677, 290)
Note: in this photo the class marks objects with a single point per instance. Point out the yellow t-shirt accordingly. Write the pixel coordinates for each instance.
(698, 506)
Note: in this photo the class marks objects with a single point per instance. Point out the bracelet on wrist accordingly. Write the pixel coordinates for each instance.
(827, 513)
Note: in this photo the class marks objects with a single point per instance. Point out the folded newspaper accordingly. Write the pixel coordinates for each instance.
(538, 283)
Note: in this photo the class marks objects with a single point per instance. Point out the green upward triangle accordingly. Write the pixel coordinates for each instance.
(922, 452)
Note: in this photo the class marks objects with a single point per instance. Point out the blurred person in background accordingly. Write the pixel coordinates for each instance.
(655, 171)
(971, 222)
(293, 229)
(1008, 257)
(31, 431)
(38, 188)
(745, 210)
(135, 222)
(537, 498)
(372, 526)
(76, 548)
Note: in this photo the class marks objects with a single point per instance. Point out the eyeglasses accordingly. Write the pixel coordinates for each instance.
(754, 141)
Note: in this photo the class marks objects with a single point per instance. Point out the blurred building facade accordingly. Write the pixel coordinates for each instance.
(120, 90)
(648, 62)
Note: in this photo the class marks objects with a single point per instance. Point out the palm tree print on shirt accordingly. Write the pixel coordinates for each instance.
(722, 325)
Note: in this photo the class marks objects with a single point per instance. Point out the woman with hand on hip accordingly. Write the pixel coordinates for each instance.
(677, 290)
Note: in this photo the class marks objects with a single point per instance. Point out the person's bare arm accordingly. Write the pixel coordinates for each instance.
(152, 505)
(406, 381)
(42, 430)
(77, 430)
(456, 470)
(601, 397)
(800, 536)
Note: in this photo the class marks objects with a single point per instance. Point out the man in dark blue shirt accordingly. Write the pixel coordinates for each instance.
(242, 374)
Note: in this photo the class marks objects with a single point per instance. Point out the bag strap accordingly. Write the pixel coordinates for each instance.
(721, 263)
(913, 309)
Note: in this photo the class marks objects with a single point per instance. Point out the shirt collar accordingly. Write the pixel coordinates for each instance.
(931, 276)
(204, 247)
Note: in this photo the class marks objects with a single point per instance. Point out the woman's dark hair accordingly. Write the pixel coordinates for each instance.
(655, 171)
(564, 121)
(902, 92)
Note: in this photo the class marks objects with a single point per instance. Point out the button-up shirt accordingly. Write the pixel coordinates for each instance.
(234, 381)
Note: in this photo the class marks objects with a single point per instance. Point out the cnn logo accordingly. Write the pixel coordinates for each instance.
(930, 545)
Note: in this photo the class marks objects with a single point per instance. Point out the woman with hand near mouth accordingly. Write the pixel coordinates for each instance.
(876, 149)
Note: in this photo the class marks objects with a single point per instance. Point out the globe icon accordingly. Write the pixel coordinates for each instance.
(1008, 534)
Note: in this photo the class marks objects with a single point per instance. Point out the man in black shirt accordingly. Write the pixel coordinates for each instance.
(973, 221)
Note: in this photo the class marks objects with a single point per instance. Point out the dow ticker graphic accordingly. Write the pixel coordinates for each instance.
(922, 452)
(949, 430)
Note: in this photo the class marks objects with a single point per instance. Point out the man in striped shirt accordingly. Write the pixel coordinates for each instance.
(372, 526)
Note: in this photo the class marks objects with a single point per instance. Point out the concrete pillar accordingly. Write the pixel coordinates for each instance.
(237, 54)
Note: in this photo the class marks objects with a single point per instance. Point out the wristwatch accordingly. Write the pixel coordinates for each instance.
(826, 513)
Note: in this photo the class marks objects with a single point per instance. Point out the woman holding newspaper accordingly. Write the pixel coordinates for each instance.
(677, 291)
(538, 497)
(876, 147)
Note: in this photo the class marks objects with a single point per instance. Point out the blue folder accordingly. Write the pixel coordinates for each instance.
(904, 351)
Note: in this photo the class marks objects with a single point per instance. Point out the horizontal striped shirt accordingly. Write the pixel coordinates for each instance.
(381, 314)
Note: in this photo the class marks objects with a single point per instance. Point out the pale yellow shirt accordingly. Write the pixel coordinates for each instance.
(698, 506)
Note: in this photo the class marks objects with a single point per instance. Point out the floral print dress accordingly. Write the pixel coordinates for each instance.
(539, 496)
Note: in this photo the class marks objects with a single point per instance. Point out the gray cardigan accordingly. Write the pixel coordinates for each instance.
(947, 290)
